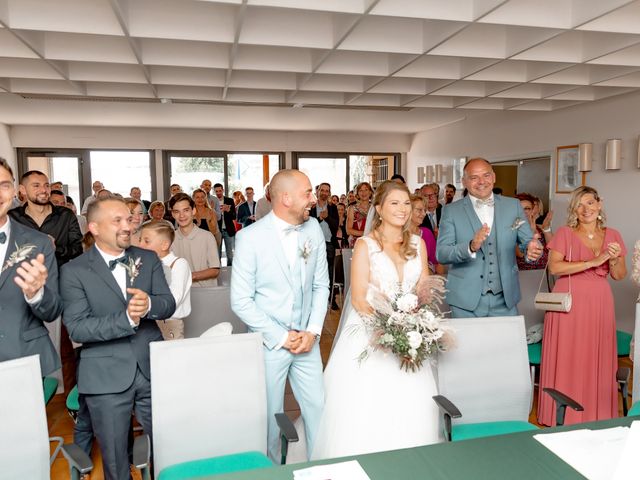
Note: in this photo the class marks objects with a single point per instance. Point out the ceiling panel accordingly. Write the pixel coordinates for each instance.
(387, 54)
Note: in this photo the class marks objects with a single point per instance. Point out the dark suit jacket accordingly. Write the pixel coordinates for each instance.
(22, 331)
(244, 212)
(332, 220)
(427, 224)
(95, 315)
(228, 217)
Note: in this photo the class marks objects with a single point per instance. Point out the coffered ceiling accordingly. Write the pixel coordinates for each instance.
(373, 55)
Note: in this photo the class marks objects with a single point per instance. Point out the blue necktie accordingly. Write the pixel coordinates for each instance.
(3, 237)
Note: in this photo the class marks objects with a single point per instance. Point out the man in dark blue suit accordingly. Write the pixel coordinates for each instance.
(113, 294)
(247, 210)
(28, 285)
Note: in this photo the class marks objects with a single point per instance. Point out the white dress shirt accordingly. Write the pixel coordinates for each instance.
(289, 241)
(179, 284)
(120, 275)
(484, 213)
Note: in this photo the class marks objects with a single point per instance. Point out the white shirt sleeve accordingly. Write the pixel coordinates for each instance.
(181, 287)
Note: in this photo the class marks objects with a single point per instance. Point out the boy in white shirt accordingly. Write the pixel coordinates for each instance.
(158, 236)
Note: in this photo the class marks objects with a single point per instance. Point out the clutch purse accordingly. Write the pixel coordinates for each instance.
(553, 302)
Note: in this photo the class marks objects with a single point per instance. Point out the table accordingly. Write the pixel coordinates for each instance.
(515, 456)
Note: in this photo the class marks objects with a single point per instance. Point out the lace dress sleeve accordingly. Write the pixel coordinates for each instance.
(635, 264)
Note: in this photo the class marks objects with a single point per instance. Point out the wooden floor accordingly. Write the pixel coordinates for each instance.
(60, 423)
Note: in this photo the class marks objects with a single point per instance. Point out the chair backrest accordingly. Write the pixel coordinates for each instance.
(224, 277)
(208, 398)
(529, 282)
(487, 374)
(210, 306)
(24, 438)
(347, 253)
(636, 355)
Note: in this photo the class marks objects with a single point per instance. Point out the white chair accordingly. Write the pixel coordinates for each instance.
(347, 254)
(486, 377)
(210, 306)
(24, 443)
(209, 403)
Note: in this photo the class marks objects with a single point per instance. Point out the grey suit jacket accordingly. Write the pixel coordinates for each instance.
(95, 315)
(457, 227)
(22, 331)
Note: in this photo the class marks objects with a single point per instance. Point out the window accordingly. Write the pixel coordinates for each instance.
(324, 169)
(119, 171)
(236, 171)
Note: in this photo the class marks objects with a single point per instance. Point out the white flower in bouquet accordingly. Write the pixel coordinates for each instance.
(415, 339)
(407, 303)
(409, 326)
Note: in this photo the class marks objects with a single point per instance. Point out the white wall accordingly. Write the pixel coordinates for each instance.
(507, 135)
(6, 148)
(193, 139)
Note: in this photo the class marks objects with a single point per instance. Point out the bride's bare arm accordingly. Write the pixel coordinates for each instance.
(360, 278)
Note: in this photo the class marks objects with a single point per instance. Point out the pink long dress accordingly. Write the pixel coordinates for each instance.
(579, 355)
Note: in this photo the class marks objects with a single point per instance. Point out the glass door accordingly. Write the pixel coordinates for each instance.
(59, 168)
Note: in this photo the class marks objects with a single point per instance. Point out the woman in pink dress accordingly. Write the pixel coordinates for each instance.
(357, 214)
(579, 355)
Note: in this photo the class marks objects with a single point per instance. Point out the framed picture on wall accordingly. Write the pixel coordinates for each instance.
(568, 177)
(458, 171)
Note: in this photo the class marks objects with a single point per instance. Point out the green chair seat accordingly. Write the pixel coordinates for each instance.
(72, 400)
(216, 466)
(623, 339)
(535, 353)
(634, 410)
(49, 385)
(488, 429)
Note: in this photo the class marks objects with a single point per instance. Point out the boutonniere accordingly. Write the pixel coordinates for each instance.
(305, 251)
(517, 223)
(133, 268)
(19, 255)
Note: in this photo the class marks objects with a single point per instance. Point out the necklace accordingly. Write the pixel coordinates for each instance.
(590, 236)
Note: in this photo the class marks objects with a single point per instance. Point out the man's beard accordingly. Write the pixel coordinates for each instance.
(41, 203)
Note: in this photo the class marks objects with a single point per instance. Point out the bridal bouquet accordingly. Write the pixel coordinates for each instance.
(409, 325)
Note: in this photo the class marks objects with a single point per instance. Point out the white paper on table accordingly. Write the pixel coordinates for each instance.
(629, 464)
(335, 471)
(593, 453)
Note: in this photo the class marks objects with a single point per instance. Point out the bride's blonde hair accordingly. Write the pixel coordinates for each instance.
(407, 249)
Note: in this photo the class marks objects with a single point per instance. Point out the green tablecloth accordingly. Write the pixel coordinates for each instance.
(517, 456)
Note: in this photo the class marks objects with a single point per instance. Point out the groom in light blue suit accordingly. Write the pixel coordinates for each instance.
(280, 288)
(477, 239)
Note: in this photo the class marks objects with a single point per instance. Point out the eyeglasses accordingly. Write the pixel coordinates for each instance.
(431, 195)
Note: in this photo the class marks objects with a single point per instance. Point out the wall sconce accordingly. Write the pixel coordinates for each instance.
(421, 175)
(585, 157)
(430, 173)
(438, 173)
(613, 154)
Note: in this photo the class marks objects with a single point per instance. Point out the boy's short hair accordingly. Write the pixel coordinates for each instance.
(161, 227)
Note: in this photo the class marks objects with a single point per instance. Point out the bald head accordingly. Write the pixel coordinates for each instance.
(285, 181)
(291, 196)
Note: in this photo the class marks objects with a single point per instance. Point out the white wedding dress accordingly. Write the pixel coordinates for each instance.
(373, 405)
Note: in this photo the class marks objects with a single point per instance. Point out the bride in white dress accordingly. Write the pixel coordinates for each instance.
(373, 405)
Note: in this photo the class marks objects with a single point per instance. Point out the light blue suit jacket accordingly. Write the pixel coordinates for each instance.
(458, 225)
(262, 291)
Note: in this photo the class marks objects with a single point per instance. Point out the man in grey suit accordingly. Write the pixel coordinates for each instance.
(477, 239)
(28, 285)
(113, 294)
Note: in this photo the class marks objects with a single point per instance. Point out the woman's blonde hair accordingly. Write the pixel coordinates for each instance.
(407, 249)
(576, 196)
(206, 201)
